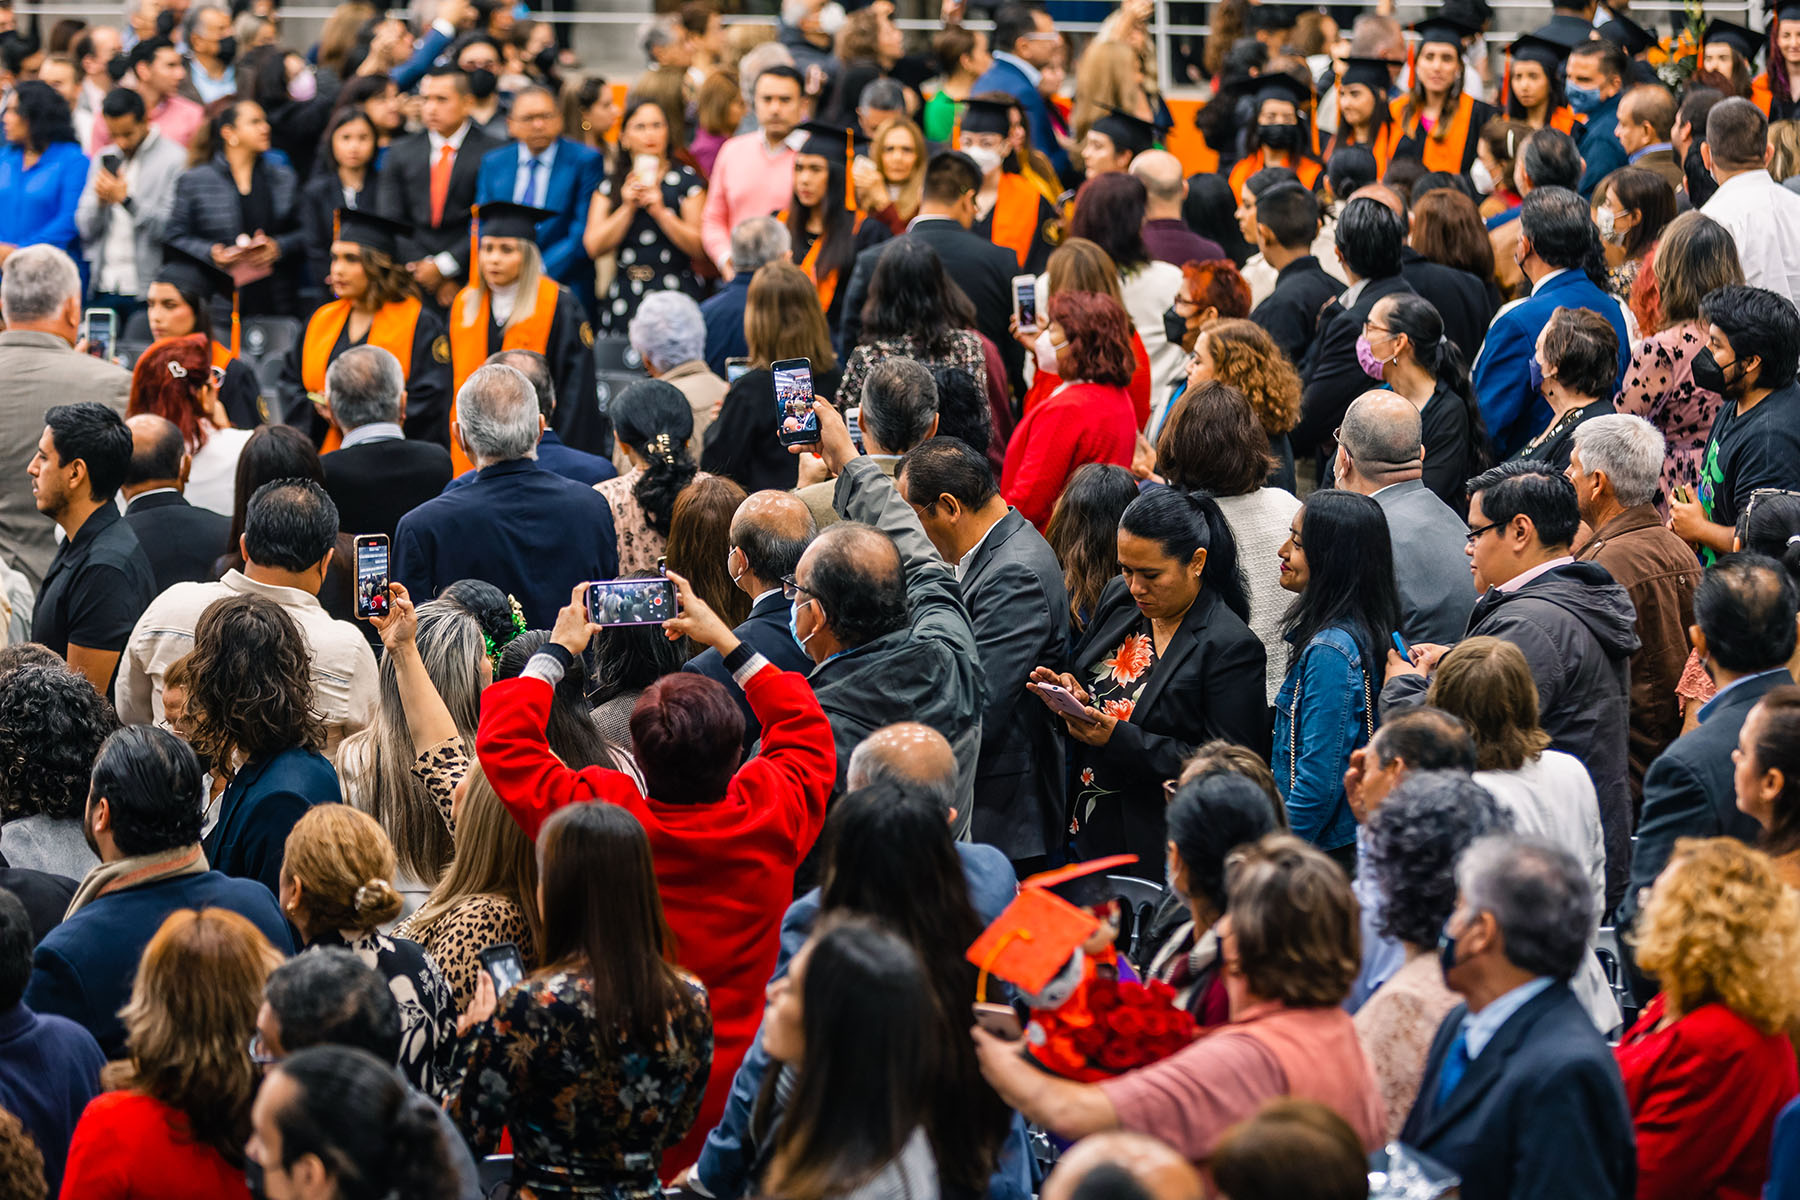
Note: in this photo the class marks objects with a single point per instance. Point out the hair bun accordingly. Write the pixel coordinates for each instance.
(374, 895)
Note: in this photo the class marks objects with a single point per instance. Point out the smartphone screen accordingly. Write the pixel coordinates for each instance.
(735, 369)
(1025, 300)
(371, 575)
(504, 967)
(99, 328)
(798, 423)
(631, 601)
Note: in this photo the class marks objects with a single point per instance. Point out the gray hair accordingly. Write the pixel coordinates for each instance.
(668, 330)
(497, 411)
(872, 762)
(658, 34)
(364, 387)
(757, 241)
(39, 281)
(1629, 449)
(536, 368)
(899, 402)
(1381, 434)
(1539, 896)
(192, 21)
(883, 95)
(756, 60)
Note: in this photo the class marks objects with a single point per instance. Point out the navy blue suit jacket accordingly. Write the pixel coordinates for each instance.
(257, 812)
(723, 313)
(84, 968)
(558, 459)
(527, 531)
(573, 178)
(1004, 77)
(1540, 1113)
(1514, 411)
(49, 1070)
(1600, 148)
(765, 631)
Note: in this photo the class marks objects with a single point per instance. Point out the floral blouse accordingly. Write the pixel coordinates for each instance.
(965, 353)
(427, 1013)
(590, 1112)
(1118, 680)
(1659, 387)
(639, 545)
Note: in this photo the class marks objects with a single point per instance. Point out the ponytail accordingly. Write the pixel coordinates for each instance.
(671, 468)
(653, 418)
(1423, 325)
(1593, 262)
(1182, 522)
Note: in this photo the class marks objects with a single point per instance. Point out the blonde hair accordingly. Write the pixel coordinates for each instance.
(1079, 265)
(345, 865)
(525, 290)
(782, 318)
(1487, 682)
(1108, 74)
(1784, 136)
(493, 858)
(906, 197)
(1720, 926)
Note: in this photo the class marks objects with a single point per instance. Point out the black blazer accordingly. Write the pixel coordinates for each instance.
(1019, 609)
(374, 484)
(181, 541)
(259, 809)
(741, 443)
(1207, 684)
(403, 192)
(1332, 375)
(320, 199)
(1290, 313)
(45, 896)
(765, 631)
(1462, 300)
(207, 212)
(981, 269)
(1540, 1113)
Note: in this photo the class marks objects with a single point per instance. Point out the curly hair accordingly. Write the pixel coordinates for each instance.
(252, 690)
(52, 722)
(1099, 336)
(157, 389)
(21, 1163)
(46, 115)
(1413, 841)
(1720, 926)
(1247, 358)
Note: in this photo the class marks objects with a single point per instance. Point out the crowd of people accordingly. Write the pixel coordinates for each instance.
(837, 620)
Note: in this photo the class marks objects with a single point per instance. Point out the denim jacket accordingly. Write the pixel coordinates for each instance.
(1321, 715)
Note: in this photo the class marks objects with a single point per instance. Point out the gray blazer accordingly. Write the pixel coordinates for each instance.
(37, 372)
(1437, 592)
(160, 161)
(207, 210)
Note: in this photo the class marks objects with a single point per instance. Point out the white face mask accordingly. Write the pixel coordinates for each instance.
(1603, 217)
(831, 19)
(1046, 354)
(1481, 177)
(985, 160)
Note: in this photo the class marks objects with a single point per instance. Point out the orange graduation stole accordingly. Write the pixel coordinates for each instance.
(1306, 168)
(810, 264)
(392, 330)
(469, 343)
(1445, 153)
(1015, 215)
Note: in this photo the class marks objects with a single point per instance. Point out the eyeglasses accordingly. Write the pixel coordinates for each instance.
(1479, 530)
(1370, 327)
(260, 1054)
(790, 588)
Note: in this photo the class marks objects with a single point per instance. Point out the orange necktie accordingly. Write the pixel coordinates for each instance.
(440, 181)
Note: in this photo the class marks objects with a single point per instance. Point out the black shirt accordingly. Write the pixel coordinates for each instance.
(1290, 313)
(1746, 451)
(1453, 447)
(1555, 444)
(97, 587)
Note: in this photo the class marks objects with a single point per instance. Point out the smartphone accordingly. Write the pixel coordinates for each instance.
(1400, 645)
(644, 167)
(100, 329)
(853, 422)
(1024, 296)
(631, 601)
(371, 575)
(111, 161)
(1063, 701)
(735, 368)
(796, 422)
(504, 967)
(1001, 1020)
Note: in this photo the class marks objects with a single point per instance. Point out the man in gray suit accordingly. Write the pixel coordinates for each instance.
(125, 206)
(1013, 587)
(40, 300)
(1380, 454)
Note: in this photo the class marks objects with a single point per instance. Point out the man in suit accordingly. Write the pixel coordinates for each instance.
(1024, 42)
(768, 534)
(428, 181)
(1287, 222)
(376, 476)
(1019, 607)
(553, 455)
(981, 269)
(1370, 236)
(544, 169)
(527, 531)
(145, 806)
(1555, 233)
(1744, 631)
(40, 301)
(755, 241)
(1646, 124)
(1380, 455)
(181, 541)
(1521, 1095)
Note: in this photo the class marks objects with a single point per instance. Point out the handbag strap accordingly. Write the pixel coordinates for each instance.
(1294, 724)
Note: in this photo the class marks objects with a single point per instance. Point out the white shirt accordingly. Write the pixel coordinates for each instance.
(523, 191)
(963, 563)
(212, 480)
(500, 302)
(374, 431)
(1764, 219)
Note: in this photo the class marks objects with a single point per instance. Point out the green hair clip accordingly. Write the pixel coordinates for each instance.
(518, 622)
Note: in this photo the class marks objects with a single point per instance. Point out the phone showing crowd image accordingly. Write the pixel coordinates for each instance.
(371, 575)
(735, 368)
(631, 601)
(1024, 293)
(798, 424)
(100, 329)
(504, 966)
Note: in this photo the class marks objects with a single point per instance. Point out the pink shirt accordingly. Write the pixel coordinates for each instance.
(176, 118)
(747, 181)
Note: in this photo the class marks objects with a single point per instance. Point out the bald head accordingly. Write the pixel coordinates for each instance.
(853, 571)
(1155, 1167)
(914, 756)
(771, 530)
(1382, 193)
(159, 457)
(1379, 443)
(1161, 175)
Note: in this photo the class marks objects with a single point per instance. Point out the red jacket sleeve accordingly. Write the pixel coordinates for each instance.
(1037, 464)
(799, 758)
(516, 758)
(1140, 382)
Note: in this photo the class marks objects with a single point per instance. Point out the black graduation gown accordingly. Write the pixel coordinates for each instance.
(241, 394)
(427, 384)
(870, 233)
(571, 354)
(1047, 227)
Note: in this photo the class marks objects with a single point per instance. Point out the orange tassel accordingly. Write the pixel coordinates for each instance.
(849, 169)
(474, 238)
(236, 324)
(1506, 81)
(1412, 79)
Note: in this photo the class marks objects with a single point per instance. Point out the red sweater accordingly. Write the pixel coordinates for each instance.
(1043, 383)
(128, 1145)
(726, 869)
(1079, 424)
(1704, 1094)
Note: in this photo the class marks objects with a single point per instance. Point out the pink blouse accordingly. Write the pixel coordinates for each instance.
(1659, 387)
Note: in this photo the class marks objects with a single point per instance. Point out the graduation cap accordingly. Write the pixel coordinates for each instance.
(1787, 12)
(1373, 73)
(200, 279)
(987, 116)
(1034, 937)
(505, 219)
(1633, 38)
(1279, 85)
(369, 229)
(1744, 41)
(1446, 30)
(834, 143)
(1127, 132)
(1547, 54)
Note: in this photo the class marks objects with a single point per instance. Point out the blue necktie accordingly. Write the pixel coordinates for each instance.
(1456, 1065)
(534, 184)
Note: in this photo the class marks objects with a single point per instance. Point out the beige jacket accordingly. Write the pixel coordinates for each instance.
(704, 391)
(344, 675)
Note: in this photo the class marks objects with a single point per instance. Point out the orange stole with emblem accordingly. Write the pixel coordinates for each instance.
(469, 344)
(1445, 153)
(810, 264)
(1015, 215)
(392, 330)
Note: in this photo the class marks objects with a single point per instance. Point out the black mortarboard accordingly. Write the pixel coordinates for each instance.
(1788, 12)
(1373, 73)
(987, 116)
(1126, 131)
(834, 142)
(1473, 13)
(1529, 47)
(1744, 41)
(371, 230)
(1631, 37)
(1445, 30)
(1279, 85)
(194, 276)
(506, 219)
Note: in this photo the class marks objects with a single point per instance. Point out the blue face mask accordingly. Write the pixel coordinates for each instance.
(794, 629)
(1582, 100)
(1446, 949)
(1537, 375)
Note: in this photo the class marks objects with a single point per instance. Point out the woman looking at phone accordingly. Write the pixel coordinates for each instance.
(647, 209)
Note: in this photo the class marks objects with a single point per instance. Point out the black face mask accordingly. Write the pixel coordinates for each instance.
(227, 50)
(546, 60)
(165, 23)
(483, 83)
(1174, 326)
(1710, 376)
(1279, 137)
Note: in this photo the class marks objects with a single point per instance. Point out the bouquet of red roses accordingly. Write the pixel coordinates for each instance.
(1108, 1026)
